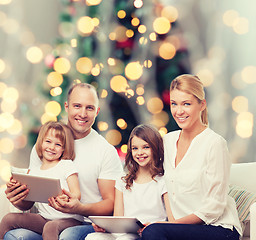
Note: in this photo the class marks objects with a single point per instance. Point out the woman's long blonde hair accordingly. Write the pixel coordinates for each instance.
(192, 85)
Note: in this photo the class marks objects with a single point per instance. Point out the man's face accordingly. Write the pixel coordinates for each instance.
(82, 110)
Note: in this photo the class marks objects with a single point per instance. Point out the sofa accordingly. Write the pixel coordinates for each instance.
(242, 188)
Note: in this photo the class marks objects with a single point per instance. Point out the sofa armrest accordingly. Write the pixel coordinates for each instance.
(253, 221)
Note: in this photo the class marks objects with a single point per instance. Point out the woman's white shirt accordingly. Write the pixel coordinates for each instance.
(199, 183)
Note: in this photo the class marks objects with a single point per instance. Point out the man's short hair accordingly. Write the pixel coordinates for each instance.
(82, 85)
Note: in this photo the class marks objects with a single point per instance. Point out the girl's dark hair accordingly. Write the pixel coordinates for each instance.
(150, 135)
(61, 131)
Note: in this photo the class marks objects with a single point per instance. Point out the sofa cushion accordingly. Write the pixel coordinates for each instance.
(244, 200)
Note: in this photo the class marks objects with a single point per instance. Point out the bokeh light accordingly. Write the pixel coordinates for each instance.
(62, 65)
(155, 105)
(34, 55)
(133, 70)
(53, 108)
(84, 65)
(114, 137)
(119, 83)
(54, 79)
(240, 104)
(161, 25)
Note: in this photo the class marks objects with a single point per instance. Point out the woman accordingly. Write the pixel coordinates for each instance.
(197, 169)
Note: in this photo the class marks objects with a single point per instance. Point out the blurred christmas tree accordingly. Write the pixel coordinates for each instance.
(129, 50)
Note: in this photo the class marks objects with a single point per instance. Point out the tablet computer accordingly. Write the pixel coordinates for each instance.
(40, 188)
(117, 224)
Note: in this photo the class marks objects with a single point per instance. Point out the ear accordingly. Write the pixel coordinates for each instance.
(203, 105)
(98, 110)
(66, 106)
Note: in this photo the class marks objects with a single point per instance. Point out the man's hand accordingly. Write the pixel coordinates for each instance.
(61, 204)
(16, 193)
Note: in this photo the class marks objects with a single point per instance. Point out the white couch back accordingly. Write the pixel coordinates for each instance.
(244, 175)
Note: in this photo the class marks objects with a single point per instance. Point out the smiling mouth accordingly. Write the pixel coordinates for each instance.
(81, 121)
(141, 159)
(182, 118)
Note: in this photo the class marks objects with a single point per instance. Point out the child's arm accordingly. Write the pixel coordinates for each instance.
(73, 185)
(168, 207)
(119, 203)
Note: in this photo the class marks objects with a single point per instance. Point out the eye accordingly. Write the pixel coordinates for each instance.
(59, 145)
(147, 147)
(173, 104)
(90, 108)
(76, 106)
(187, 104)
(134, 148)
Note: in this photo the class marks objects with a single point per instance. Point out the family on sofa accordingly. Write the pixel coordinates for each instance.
(195, 163)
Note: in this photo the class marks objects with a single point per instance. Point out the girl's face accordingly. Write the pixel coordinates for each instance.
(52, 147)
(141, 151)
(186, 110)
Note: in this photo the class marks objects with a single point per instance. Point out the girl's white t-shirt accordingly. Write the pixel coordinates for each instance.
(62, 171)
(144, 201)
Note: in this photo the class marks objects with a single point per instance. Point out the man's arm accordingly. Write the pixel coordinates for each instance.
(104, 207)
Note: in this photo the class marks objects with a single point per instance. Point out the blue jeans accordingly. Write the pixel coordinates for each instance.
(76, 233)
(165, 231)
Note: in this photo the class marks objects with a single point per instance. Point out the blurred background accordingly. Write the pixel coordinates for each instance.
(130, 51)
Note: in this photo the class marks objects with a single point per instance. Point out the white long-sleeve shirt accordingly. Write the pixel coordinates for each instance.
(199, 183)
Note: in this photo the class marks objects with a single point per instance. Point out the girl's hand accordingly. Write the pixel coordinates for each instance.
(142, 229)
(97, 228)
(63, 197)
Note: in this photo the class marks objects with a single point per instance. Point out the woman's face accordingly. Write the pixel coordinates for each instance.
(186, 110)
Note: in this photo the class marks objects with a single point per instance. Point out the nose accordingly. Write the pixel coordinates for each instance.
(83, 112)
(179, 110)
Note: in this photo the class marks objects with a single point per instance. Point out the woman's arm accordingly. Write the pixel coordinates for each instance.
(168, 207)
(119, 203)
(74, 186)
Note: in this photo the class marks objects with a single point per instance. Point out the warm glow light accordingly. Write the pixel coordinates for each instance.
(241, 25)
(84, 65)
(34, 54)
(102, 126)
(129, 93)
(114, 137)
(142, 29)
(56, 91)
(138, 3)
(85, 25)
(229, 17)
(54, 79)
(52, 108)
(133, 70)
(121, 123)
(6, 145)
(46, 118)
(129, 33)
(95, 22)
(9, 107)
(93, 2)
(147, 63)
(5, 170)
(152, 36)
(104, 93)
(10, 94)
(62, 65)
(120, 32)
(170, 12)
(155, 105)
(73, 43)
(5, 2)
(6, 120)
(124, 148)
(163, 131)
(16, 127)
(240, 104)
(161, 25)
(119, 83)
(249, 74)
(167, 51)
(140, 100)
(140, 89)
(143, 41)
(96, 70)
(206, 77)
(121, 14)
(135, 21)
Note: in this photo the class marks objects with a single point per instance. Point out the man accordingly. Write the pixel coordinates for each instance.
(96, 160)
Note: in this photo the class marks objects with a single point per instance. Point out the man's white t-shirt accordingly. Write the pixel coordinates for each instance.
(95, 159)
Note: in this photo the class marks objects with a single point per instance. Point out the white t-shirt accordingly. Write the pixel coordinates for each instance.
(95, 159)
(199, 184)
(62, 171)
(144, 201)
